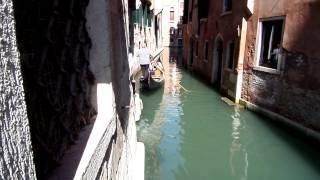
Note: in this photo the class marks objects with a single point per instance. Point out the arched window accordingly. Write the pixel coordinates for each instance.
(227, 5)
(172, 30)
(172, 14)
(230, 55)
(206, 50)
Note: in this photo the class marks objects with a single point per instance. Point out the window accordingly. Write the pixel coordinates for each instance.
(180, 32)
(227, 5)
(185, 11)
(181, 4)
(203, 9)
(190, 13)
(196, 48)
(172, 31)
(179, 42)
(190, 16)
(171, 14)
(230, 55)
(206, 50)
(269, 42)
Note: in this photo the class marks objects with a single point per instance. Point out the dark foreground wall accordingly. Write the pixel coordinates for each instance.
(74, 61)
(295, 91)
(16, 159)
(54, 47)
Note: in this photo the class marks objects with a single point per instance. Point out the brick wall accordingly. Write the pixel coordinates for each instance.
(217, 24)
(294, 92)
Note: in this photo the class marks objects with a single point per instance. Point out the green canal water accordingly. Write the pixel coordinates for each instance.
(191, 134)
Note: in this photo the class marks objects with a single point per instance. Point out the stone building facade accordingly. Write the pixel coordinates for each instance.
(71, 112)
(146, 24)
(172, 13)
(260, 52)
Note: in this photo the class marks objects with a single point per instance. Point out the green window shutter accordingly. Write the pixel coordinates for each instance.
(135, 16)
(149, 20)
(140, 15)
(145, 17)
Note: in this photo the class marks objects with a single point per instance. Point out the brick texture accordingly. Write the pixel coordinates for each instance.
(294, 93)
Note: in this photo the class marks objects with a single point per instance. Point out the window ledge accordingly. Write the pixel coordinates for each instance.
(226, 13)
(229, 70)
(203, 19)
(267, 70)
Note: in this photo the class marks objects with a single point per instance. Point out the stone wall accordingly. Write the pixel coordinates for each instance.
(16, 157)
(74, 58)
(294, 92)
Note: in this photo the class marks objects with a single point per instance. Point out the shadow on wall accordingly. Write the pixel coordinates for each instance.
(120, 65)
(54, 47)
(303, 54)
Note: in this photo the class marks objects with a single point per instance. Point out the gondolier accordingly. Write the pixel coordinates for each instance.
(144, 56)
(151, 68)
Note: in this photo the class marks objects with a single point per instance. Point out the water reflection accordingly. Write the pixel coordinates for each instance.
(192, 134)
(238, 155)
(170, 145)
(162, 132)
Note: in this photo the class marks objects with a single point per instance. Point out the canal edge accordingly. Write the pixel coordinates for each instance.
(309, 133)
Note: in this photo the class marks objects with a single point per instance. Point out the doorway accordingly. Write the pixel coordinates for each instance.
(217, 62)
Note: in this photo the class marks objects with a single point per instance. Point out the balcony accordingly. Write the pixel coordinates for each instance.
(147, 2)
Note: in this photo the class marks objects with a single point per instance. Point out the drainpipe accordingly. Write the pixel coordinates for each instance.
(243, 37)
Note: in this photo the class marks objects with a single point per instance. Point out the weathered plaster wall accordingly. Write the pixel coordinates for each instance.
(111, 149)
(16, 157)
(143, 33)
(295, 92)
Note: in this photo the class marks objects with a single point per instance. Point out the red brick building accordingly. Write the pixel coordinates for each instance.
(288, 84)
(211, 41)
(264, 53)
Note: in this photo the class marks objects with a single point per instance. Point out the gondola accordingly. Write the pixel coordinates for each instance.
(154, 76)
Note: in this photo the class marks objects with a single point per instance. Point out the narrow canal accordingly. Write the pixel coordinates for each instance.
(191, 134)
